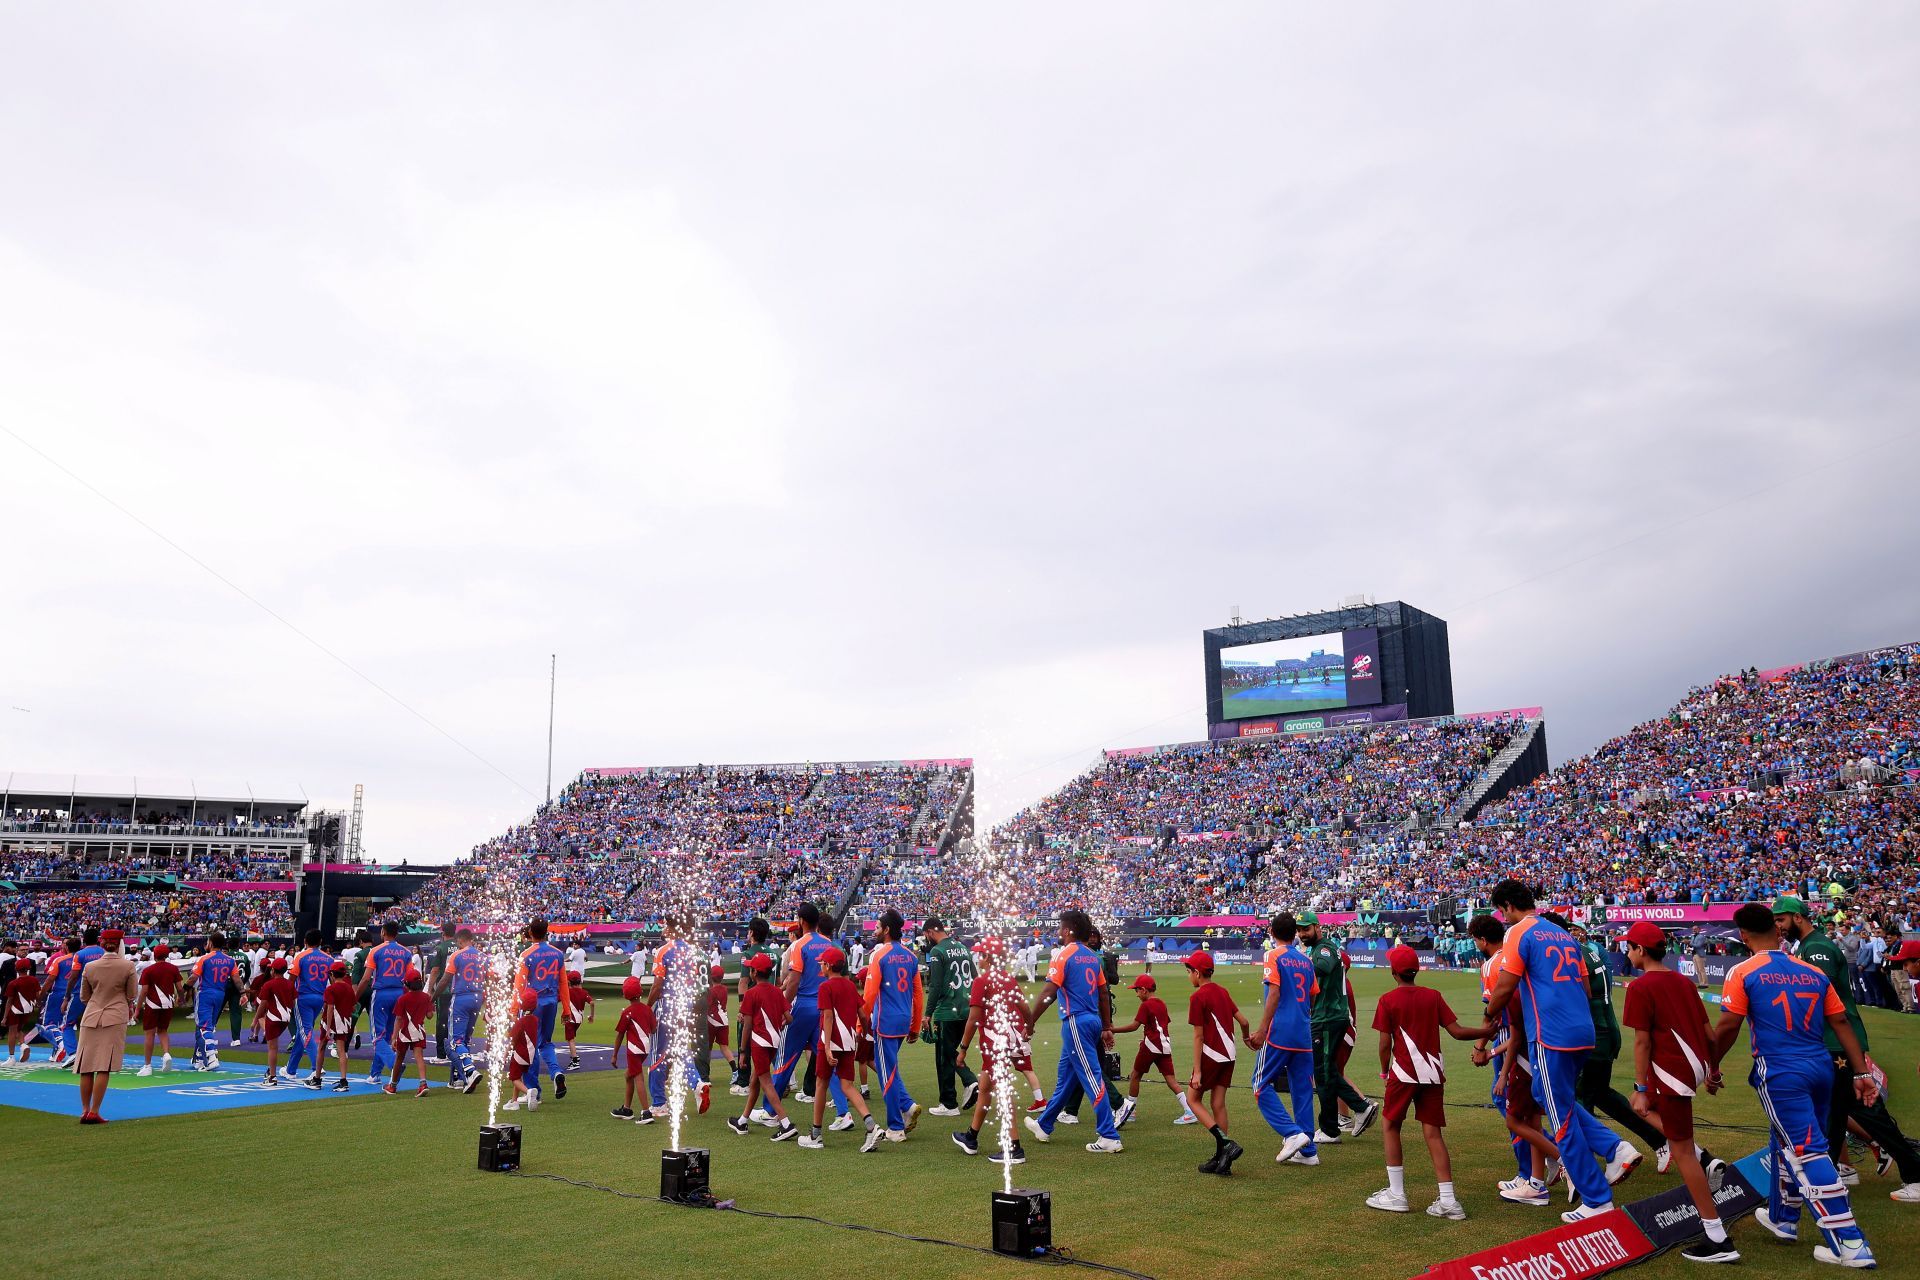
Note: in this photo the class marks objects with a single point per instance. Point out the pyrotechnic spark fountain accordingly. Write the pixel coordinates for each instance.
(685, 980)
(994, 861)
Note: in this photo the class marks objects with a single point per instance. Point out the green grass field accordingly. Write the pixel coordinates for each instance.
(387, 1186)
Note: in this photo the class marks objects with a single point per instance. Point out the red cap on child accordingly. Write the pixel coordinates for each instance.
(529, 999)
(1200, 962)
(630, 988)
(1144, 982)
(1403, 959)
(1645, 933)
(831, 957)
(761, 963)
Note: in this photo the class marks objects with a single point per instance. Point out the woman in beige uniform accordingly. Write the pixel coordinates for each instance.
(111, 990)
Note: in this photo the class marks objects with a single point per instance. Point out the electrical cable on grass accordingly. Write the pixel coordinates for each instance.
(1052, 1257)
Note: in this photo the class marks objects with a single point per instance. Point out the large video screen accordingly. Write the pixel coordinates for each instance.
(1308, 673)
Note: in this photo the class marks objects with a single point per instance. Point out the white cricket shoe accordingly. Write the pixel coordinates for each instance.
(1626, 1158)
(1291, 1147)
(1452, 1210)
(1106, 1146)
(143, 1072)
(1390, 1200)
(1039, 1134)
(841, 1123)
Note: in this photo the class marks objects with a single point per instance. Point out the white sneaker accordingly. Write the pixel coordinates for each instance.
(1452, 1210)
(659, 1111)
(1778, 1230)
(533, 1099)
(511, 1104)
(896, 1135)
(1105, 1146)
(213, 1064)
(1301, 1157)
(166, 1062)
(1039, 1134)
(1849, 1176)
(1067, 1117)
(1186, 1117)
(143, 1072)
(1626, 1158)
(1585, 1211)
(1908, 1194)
(943, 1111)
(737, 1090)
(841, 1123)
(1292, 1147)
(808, 1142)
(912, 1117)
(1857, 1256)
(1662, 1158)
(1524, 1191)
(1389, 1199)
(872, 1139)
(1124, 1115)
(1362, 1119)
(802, 1096)
(1324, 1139)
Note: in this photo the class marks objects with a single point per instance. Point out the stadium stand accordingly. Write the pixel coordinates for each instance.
(616, 839)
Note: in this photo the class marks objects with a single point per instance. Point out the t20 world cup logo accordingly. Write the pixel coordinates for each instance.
(1362, 668)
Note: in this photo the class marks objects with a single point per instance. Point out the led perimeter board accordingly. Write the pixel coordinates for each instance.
(1362, 665)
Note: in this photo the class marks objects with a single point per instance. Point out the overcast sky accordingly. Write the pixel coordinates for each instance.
(862, 382)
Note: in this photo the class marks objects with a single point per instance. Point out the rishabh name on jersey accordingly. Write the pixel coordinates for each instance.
(1293, 972)
(1553, 978)
(1786, 1003)
(1079, 974)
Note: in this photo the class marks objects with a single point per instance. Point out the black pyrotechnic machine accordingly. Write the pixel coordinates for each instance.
(1022, 1222)
(683, 1174)
(499, 1148)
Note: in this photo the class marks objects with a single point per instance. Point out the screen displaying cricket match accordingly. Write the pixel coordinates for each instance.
(1307, 673)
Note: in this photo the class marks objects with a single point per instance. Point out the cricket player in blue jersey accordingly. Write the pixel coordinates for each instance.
(543, 970)
(801, 985)
(70, 1017)
(62, 977)
(1788, 1005)
(312, 970)
(1078, 980)
(212, 977)
(1542, 964)
(893, 1002)
(466, 976)
(1284, 1038)
(386, 974)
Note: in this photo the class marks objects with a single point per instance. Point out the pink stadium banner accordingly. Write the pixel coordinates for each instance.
(240, 886)
(1673, 912)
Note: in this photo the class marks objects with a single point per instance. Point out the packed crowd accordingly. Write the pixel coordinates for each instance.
(57, 914)
(1752, 786)
(725, 839)
(36, 863)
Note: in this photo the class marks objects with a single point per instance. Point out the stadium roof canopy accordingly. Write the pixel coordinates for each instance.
(21, 786)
